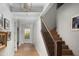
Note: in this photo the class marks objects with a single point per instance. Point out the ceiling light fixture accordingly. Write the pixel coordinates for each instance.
(26, 6)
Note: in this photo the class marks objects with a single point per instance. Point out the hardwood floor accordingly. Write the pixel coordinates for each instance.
(26, 49)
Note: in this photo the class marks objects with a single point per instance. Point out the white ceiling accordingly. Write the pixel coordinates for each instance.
(26, 15)
(26, 7)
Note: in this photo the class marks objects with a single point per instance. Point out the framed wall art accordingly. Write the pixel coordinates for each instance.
(6, 24)
(75, 23)
(1, 21)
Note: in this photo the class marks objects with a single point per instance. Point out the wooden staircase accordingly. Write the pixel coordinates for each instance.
(65, 49)
(54, 44)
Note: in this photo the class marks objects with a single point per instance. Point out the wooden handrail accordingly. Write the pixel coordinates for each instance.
(48, 30)
(55, 49)
(57, 43)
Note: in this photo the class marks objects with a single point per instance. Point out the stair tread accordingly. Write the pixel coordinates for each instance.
(67, 52)
(67, 55)
(58, 39)
(63, 42)
(65, 47)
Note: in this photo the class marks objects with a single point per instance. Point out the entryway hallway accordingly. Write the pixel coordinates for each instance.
(46, 28)
(26, 49)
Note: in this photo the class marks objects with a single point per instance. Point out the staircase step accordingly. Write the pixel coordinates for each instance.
(54, 33)
(63, 42)
(66, 52)
(57, 38)
(68, 55)
(65, 47)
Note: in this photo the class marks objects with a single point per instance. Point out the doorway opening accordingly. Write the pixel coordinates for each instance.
(27, 33)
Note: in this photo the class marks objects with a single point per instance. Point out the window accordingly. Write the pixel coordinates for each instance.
(27, 33)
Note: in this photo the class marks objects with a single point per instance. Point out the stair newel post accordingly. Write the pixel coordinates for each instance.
(59, 48)
(55, 49)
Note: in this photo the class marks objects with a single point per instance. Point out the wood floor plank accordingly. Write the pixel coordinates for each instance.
(26, 49)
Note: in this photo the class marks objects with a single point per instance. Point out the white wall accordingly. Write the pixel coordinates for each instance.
(50, 16)
(64, 24)
(38, 40)
(21, 34)
(9, 50)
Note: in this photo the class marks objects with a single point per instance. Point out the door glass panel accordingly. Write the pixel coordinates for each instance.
(27, 33)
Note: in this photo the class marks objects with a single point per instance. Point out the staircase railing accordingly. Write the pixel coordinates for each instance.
(53, 47)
